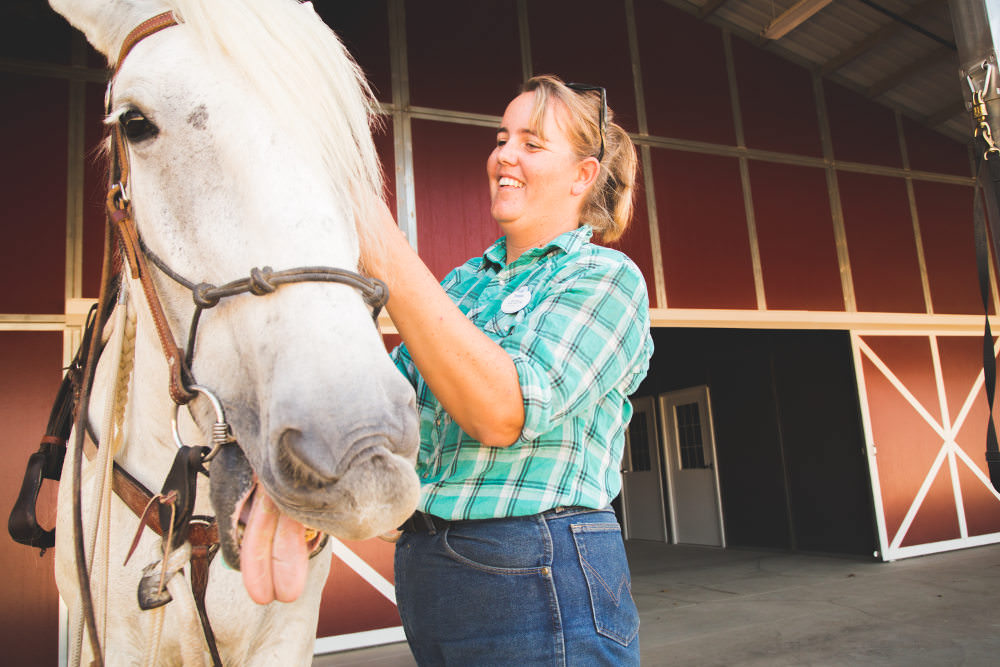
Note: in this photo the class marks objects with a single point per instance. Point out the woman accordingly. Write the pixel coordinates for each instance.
(522, 360)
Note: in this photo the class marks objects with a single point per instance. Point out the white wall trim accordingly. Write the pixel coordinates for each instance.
(359, 640)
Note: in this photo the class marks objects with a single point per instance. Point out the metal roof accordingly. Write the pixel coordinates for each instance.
(900, 53)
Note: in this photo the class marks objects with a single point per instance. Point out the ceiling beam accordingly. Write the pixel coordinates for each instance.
(893, 79)
(885, 32)
(944, 114)
(710, 8)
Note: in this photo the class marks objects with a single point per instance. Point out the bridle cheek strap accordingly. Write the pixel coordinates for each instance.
(121, 218)
(119, 211)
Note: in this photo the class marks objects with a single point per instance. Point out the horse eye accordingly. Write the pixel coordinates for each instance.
(136, 126)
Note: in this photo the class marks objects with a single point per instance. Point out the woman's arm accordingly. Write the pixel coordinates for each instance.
(473, 377)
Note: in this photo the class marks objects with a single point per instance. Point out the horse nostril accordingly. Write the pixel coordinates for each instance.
(301, 462)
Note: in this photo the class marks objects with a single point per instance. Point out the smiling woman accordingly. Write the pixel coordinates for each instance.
(522, 360)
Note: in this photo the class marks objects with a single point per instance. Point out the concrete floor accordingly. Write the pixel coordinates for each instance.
(703, 606)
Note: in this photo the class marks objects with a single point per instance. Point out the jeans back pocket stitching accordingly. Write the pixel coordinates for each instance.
(601, 628)
(616, 596)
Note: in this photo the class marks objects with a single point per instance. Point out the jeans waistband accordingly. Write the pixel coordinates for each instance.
(419, 522)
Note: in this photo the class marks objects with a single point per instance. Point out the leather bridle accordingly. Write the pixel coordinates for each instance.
(121, 229)
(260, 282)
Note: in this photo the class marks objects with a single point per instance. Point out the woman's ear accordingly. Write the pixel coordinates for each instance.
(587, 171)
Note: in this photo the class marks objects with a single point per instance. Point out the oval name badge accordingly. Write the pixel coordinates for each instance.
(516, 300)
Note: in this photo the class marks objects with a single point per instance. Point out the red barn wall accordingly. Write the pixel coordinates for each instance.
(762, 189)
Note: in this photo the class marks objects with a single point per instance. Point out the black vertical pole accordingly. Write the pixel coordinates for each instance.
(976, 25)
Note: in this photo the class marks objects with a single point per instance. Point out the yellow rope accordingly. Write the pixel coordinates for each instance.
(121, 346)
(153, 647)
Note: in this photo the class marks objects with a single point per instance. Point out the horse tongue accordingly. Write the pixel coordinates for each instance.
(273, 556)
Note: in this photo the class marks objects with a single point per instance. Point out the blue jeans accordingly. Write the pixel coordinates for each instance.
(548, 589)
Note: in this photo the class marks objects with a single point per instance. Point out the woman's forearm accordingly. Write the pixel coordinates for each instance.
(473, 377)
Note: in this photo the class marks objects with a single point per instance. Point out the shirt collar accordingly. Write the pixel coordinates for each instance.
(568, 242)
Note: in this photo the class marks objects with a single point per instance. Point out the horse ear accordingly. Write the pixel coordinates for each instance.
(107, 22)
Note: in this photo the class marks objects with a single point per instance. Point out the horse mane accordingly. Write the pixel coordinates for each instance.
(301, 68)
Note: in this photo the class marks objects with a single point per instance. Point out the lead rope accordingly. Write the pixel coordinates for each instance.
(121, 346)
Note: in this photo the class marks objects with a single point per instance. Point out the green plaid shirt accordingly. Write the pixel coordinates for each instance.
(577, 328)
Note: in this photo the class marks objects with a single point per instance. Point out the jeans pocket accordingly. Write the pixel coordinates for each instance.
(605, 567)
(505, 546)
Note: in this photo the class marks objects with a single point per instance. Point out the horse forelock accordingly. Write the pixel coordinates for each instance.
(300, 68)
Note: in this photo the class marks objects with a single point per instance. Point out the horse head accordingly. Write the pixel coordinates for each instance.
(247, 133)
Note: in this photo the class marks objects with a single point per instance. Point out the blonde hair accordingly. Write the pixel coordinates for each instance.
(608, 208)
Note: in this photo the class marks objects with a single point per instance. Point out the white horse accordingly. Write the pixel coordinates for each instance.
(247, 134)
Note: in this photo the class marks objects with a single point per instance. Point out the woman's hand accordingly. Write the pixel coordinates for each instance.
(473, 377)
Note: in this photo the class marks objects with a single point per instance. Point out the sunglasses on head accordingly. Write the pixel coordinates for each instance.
(603, 119)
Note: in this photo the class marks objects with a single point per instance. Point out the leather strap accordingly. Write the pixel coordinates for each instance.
(203, 534)
(119, 212)
(141, 32)
(987, 192)
(125, 225)
(47, 462)
(204, 531)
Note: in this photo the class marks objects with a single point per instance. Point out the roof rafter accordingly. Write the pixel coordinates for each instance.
(894, 79)
(885, 32)
(710, 8)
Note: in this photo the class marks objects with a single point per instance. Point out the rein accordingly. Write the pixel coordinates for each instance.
(121, 229)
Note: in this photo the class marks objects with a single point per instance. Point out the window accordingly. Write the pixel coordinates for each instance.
(638, 438)
(689, 439)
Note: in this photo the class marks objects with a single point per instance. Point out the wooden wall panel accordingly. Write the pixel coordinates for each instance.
(906, 445)
(931, 151)
(636, 242)
(795, 233)
(31, 35)
(384, 144)
(945, 213)
(777, 103)
(981, 515)
(861, 130)
(961, 364)
(928, 432)
(95, 186)
(452, 193)
(364, 29)
(29, 614)
(351, 604)
(682, 101)
(703, 231)
(33, 128)
(937, 519)
(463, 57)
(600, 52)
(909, 358)
(880, 242)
